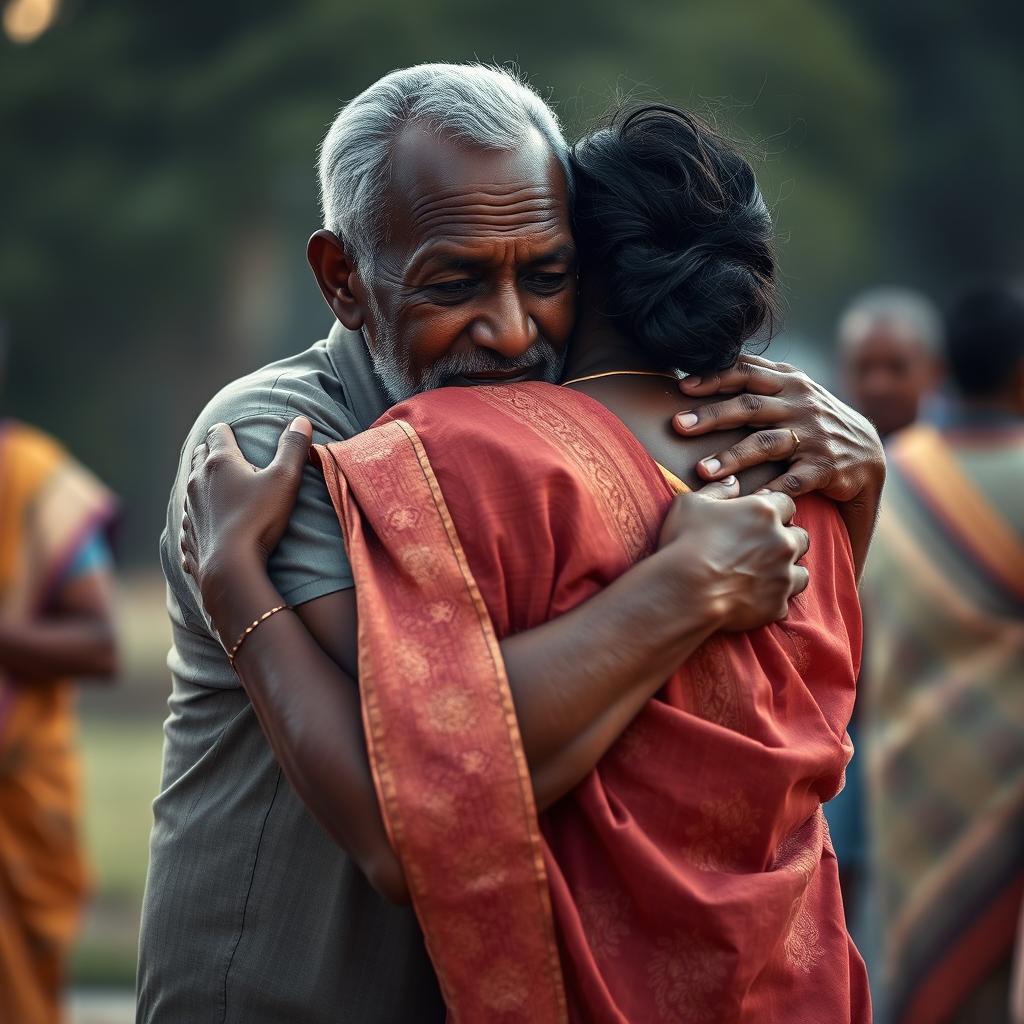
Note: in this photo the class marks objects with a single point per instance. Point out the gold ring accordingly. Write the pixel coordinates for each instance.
(796, 439)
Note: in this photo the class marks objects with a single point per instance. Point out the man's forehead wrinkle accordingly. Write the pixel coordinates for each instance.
(481, 201)
(495, 190)
(483, 222)
(550, 244)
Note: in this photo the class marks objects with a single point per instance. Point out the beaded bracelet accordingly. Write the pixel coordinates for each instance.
(252, 626)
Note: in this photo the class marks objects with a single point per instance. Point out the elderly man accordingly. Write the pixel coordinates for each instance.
(890, 345)
(253, 913)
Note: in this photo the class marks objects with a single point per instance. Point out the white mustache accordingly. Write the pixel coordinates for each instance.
(395, 375)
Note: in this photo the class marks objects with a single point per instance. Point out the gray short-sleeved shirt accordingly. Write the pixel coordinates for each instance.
(252, 914)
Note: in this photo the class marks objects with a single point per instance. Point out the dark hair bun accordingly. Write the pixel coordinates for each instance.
(672, 215)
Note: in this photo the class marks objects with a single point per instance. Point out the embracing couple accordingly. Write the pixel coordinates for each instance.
(544, 639)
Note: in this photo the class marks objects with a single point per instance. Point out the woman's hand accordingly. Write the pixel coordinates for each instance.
(235, 514)
(738, 557)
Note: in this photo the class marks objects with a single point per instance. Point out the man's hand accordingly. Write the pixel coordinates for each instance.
(830, 447)
(739, 555)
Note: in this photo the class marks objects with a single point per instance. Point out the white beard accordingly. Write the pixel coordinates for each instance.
(391, 364)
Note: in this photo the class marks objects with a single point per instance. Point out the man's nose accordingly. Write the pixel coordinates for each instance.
(506, 326)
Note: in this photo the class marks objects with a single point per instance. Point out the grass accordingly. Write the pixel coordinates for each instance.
(122, 773)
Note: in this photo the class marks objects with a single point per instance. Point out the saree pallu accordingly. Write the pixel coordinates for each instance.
(689, 877)
(48, 506)
(944, 734)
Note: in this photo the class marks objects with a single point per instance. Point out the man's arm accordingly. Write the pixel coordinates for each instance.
(577, 681)
(75, 638)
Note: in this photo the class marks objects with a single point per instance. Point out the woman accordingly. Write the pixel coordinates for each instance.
(688, 876)
(55, 622)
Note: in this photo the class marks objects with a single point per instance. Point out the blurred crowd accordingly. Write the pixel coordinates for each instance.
(929, 829)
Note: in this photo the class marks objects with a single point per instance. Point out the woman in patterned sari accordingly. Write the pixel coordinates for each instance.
(55, 622)
(688, 876)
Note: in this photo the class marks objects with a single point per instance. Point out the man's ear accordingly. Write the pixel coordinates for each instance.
(335, 272)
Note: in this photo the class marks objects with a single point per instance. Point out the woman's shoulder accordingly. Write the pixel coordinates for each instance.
(646, 406)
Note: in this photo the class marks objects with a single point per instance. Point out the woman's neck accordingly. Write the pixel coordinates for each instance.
(598, 346)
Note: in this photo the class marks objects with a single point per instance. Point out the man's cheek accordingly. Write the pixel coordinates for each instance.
(431, 337)
(559, 320)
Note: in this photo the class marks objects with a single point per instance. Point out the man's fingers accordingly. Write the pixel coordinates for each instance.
(768, 364)
(293, 447)
(803, 540)
(747, 409)
(721, 489)
(764, 446)
(801, 577)
(782, 503)
(760, 377)
(803, 477)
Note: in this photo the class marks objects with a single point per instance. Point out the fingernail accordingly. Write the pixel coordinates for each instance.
(729, 481)
(763, 490)
(711, 465)
(686, 419)
(301, 425)
(692, 381)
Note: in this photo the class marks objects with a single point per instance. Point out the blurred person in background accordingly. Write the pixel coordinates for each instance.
(56, 622)
(943, 713)
(890, 342)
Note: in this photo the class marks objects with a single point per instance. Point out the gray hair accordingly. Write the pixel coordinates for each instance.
(902, 305)
(490, 107)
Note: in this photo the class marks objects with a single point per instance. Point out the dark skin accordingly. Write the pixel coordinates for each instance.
(888, 370)
(576, 682)
(75, 637)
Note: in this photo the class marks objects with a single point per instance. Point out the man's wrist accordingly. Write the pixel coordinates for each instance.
(692, 605)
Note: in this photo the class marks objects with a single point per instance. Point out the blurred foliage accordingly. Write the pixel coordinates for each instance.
(157, 180)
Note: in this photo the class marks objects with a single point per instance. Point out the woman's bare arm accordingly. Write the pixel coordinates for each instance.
(576, 681)
(74, 638)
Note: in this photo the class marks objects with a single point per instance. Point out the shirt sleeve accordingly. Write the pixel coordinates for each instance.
(310, 561)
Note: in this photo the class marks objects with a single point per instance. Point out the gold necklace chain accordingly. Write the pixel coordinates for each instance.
(621, 373)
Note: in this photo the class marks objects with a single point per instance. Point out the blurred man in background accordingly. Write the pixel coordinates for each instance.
(55, 622)
(890, 348)
(890, 352)
(943, 714)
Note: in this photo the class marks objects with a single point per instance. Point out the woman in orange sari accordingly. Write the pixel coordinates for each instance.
(689, 876)
(55, 622)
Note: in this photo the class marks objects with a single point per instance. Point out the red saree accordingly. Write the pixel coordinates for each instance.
(689, 877)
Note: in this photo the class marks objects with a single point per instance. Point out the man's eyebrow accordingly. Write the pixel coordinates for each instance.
(563, 254)
(448, 259)
(444, 256)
